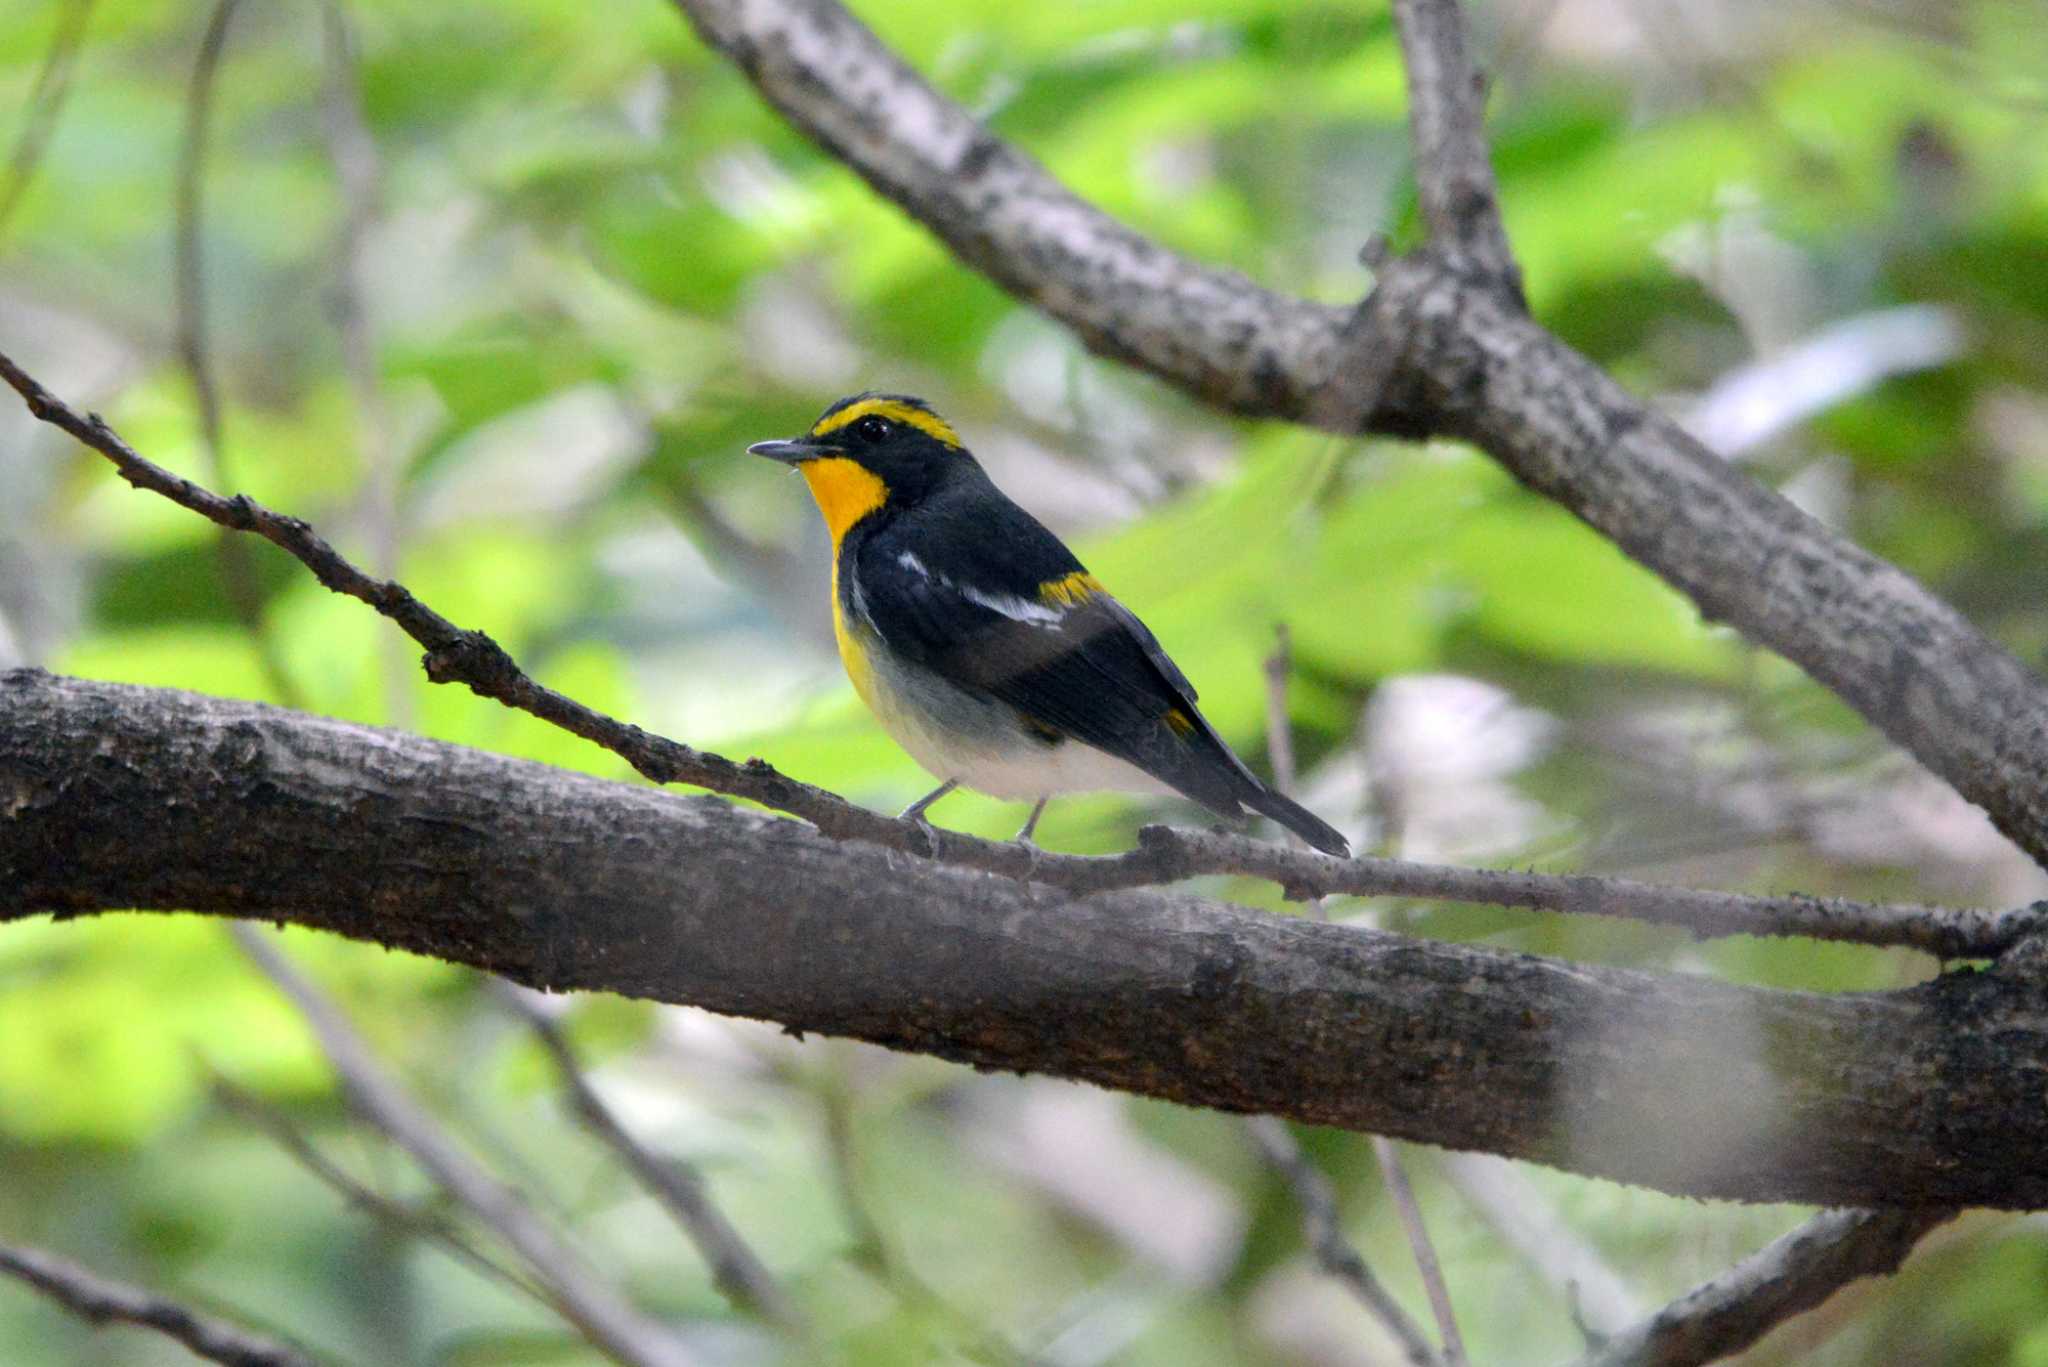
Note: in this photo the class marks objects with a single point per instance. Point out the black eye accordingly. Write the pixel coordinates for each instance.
(871, 429)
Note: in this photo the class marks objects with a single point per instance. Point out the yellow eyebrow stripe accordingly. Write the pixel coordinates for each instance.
(931, 424)
(1069, 590)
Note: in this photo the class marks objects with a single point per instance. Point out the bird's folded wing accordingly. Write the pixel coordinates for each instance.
(1085, 667)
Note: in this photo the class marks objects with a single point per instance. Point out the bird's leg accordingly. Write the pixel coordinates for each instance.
(1031, 847)
(1031, 823)
(915, 812)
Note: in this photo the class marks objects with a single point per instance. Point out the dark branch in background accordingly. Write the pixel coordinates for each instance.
(93, 1297)
(388, 1211)
(1528, 1222)
(677, 1185)
(1464, 361)
(114, 797)
(1410, 1211)
(578, 1295)
(1722, 1317)
(872, 1247)
(237, 569)
(1325, 1233)
(45, 104)
(472, 658)
(353, 154)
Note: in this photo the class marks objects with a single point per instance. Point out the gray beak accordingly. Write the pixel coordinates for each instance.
(793, 452)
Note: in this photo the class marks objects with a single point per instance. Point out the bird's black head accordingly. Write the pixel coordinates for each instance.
(869, 451)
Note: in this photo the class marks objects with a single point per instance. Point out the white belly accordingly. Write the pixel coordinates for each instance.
(982, 743)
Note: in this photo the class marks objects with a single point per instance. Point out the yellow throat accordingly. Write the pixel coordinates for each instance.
(846, 492)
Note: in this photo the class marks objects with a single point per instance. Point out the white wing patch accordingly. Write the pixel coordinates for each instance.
(1008, 604)
(1015, 608)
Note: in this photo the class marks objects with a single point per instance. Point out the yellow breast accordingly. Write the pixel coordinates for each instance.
(846, 492)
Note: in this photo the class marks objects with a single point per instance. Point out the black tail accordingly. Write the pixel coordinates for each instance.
(1300, 820)
(1202, 766)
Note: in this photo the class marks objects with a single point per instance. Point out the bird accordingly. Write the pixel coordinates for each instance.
(984, 647)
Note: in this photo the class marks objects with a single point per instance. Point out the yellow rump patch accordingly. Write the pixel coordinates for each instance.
(1069, 590)
(846, 491)
(1180, 722)
(895, 410)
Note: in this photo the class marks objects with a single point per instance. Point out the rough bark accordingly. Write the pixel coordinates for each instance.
(113, 796)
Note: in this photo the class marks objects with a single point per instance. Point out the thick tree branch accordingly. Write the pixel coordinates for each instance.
(1464, 362)
(93, 1297)
(1785, 1278)
(472, 658)
(114, 797)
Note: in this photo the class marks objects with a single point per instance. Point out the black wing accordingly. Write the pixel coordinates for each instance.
(962, 590)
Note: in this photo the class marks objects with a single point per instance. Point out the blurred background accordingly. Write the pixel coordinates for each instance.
(495, 294)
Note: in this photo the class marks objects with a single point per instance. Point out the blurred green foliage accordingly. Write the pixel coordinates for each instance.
(597, 267)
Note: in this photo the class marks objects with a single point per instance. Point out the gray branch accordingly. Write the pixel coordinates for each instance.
(736, 1269)
(1793, 1274)
(1462, 360)
(1324, 1229)
(116, 797)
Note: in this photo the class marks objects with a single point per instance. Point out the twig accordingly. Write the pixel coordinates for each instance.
(1280, 730)
(1325, 1234)
(1453, 174)
(454, 655)
(1396, 1177)
(871, 1246)
(1601, 1300)
(392, 1213)
(677, 1185)
(572, 1288)
(353, 154)
(237, 569)
(1318, 1212)
(1788, 1276)
(45, 103)
(95, 1298)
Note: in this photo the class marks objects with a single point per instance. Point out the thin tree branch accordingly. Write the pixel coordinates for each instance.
(45, 103)
(237, 569)
(1601, 1300)
(677, 1185)
(391, 1213)
(114, 797)
(1410, 1211)
(577, 1294)
(1446, 117)
(353, 154)
(1325, 1234)
(1787, 1277)
(1469, 363)
(93, 1297)
(472, 658)
(872, 1247)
